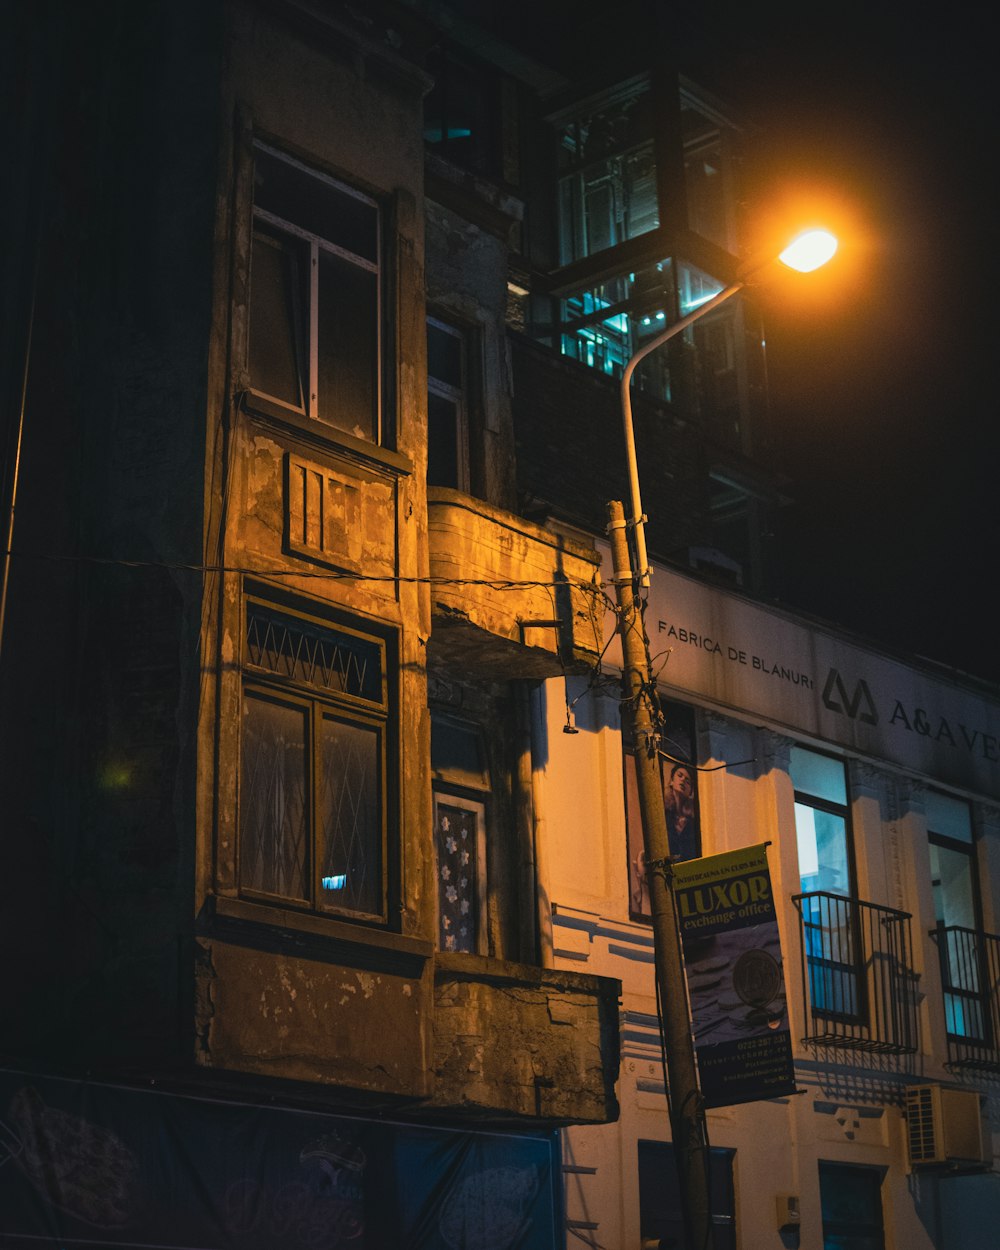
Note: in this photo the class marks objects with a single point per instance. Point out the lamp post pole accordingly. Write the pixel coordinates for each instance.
(687, 1111)
(687, 1114)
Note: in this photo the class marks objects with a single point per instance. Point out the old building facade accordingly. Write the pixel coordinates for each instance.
(321, 929)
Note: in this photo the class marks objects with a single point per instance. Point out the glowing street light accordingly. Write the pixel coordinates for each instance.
(809, 251)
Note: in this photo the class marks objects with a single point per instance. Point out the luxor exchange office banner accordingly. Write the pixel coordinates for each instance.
(732, 953)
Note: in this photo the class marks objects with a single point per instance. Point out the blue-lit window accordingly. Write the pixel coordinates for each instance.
(607, 184)
(315, 743)
(828, 913)
(604, 326)
(315, 297)
(956, 912)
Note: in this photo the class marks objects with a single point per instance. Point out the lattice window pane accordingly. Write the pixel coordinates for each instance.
(350, 806)
(327, 659)
(274, 823)
(456, 835)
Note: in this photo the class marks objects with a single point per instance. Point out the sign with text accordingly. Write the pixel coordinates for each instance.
(736, 986)
(806, 678)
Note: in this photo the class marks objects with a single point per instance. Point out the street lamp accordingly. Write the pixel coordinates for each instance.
(687, 1113)
(807, 251)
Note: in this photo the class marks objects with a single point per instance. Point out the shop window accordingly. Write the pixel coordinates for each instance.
(315, 316)
(447, 407)
(956, 913)
(660, 1216)
(461, 792)
(607, 184)
(316, 742)
(829, 919)
(851, 1202)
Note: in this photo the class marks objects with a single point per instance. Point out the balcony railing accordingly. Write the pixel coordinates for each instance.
(858, 982)
(970, 984)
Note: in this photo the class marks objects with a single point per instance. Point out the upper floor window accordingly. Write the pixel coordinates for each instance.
(470, 116)
(315, 750)
(607, 174)
(447, 407)
(605, 325)
(829, 916)
(315, 292)
(955, 891)
(707, 174)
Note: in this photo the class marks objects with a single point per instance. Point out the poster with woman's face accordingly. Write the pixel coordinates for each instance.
(679, 780)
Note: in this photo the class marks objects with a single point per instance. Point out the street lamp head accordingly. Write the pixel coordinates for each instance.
(808, 251)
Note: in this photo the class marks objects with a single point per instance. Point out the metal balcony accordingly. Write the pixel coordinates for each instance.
(970, 985)
(858, 983)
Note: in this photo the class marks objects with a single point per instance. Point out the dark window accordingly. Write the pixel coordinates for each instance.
(828, 914)
(851, 1200)
(315, 337)
(315, 749)
(447, 409)
(462, 113)
(660, 1216)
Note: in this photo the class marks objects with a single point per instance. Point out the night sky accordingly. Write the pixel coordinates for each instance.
(883, 376)
(880, 120)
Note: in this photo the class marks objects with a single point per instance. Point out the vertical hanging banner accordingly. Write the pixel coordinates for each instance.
(732, 954)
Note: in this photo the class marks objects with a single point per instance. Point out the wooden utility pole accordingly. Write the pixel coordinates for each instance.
(687, 1115)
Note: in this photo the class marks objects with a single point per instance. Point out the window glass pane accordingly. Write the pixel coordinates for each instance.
(949, 817)
(312, 203)
(457, 754)
(442, 441)
(852, 1207)
(639, 305)
(444, 356)
(952, 886)
(456, 835)
(348, 346)
(322, 657)
(277, 317)
(823, 856)
(350, 817)
(273, 823)
(818, 775)
(610, 195)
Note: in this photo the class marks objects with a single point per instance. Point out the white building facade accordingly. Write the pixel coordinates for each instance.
(876, 785)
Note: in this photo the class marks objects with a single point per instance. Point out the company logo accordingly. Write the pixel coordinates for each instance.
(858, 706)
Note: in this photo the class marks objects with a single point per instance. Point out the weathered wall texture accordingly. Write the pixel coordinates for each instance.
(514, 1040)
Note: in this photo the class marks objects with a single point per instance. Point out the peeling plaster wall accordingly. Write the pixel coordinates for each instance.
(560, 1058)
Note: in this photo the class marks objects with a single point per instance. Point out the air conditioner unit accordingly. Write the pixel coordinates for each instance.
(946, 1128)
